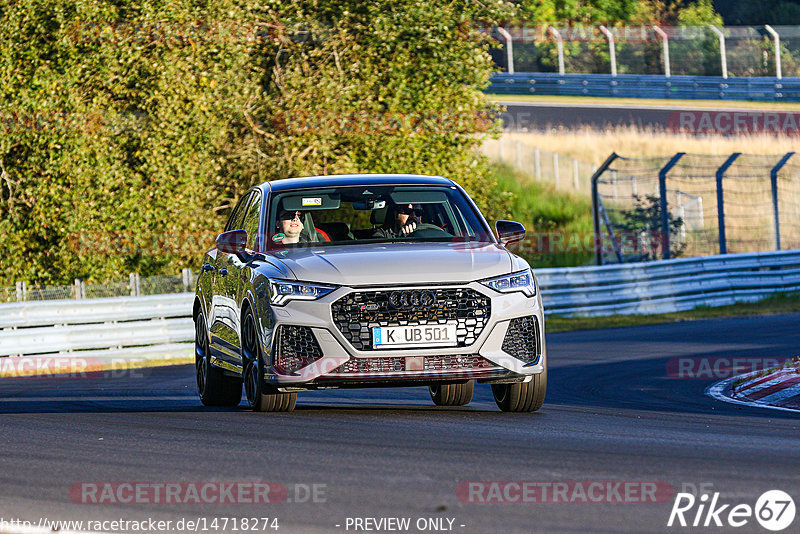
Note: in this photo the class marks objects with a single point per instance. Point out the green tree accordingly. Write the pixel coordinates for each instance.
(130, 128)
(644, 222)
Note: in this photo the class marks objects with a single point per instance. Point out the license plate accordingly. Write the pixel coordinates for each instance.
(438, 335)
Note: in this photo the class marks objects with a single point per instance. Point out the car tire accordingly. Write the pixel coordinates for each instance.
(260, 398)
(213, 386)
(522, 396)
(452, 394)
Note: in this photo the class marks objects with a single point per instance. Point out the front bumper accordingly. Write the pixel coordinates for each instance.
(338, 363)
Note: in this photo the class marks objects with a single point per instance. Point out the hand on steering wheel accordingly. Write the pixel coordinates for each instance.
(408, 228)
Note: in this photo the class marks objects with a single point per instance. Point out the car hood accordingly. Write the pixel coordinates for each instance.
(396, 263)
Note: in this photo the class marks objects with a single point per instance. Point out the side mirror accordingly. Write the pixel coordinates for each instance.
(232, 242)
(509, 232)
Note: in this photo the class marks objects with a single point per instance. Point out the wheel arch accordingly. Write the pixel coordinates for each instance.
(197, 308)
(247, 304)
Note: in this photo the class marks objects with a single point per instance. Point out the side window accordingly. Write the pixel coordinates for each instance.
(251, 222)
(237, 215)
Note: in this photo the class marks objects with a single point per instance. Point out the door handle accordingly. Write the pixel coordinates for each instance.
(208, 267)
(223, 272)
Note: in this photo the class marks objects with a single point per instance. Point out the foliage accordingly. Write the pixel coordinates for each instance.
(131, 128)
(580, 12)
(699, 14)
(698, 56)
(645, 221)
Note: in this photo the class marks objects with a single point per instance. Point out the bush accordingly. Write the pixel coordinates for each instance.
(131, 128)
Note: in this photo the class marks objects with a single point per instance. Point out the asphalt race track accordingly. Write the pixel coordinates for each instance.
(543, 116)
(611, 414)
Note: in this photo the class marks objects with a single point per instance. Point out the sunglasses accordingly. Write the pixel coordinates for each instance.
(289, 215)
(405, 210)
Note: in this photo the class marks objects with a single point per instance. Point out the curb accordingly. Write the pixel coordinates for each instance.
(777, 389)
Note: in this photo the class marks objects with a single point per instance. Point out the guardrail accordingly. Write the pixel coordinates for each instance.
(161, 325)
(120, 327)
(647, 86)
(668, 285)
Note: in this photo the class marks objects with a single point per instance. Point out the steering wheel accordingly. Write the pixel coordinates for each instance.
(429, 230)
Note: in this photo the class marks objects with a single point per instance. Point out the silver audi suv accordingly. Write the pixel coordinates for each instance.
(362, 281)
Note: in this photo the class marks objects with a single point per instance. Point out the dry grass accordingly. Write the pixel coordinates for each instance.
(594, 147)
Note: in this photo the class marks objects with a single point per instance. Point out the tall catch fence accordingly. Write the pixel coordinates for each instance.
(740, 51)
(695, 205)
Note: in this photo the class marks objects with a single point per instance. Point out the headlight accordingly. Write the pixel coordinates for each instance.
(282, 291)
(522, 281)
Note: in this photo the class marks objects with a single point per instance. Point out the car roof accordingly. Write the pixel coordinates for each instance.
(338, 180)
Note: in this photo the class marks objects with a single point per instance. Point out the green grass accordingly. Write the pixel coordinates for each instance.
(778, 303)
(722, 104)
(545, 210)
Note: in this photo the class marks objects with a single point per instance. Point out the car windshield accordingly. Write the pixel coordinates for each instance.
(372, 214)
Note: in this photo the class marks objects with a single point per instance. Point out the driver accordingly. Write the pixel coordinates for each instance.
(403, 221)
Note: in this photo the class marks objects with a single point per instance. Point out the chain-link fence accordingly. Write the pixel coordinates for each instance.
(649, 49)
(695, 204)
(132, 287)
(564, 172)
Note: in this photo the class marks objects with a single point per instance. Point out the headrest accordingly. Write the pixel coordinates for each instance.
(378, 217)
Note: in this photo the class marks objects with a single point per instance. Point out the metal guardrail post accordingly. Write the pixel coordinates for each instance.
(773, 176)
(723, 243)
(665, 41)
(598, 236)
(662, 193)
(560, 47)
(611, 49)
(509, 48)
(722, 55)
(777, 38)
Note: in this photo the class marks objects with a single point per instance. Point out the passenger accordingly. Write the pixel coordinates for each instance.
(290, 223)
(403, 221)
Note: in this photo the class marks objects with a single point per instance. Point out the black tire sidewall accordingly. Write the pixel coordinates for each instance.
(252, 362)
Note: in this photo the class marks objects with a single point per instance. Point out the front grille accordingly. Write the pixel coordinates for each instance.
(522, 339)
(357, 313)
(294, 348)
(450, 362)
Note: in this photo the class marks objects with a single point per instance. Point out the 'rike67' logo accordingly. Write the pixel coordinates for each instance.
(774, 510)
